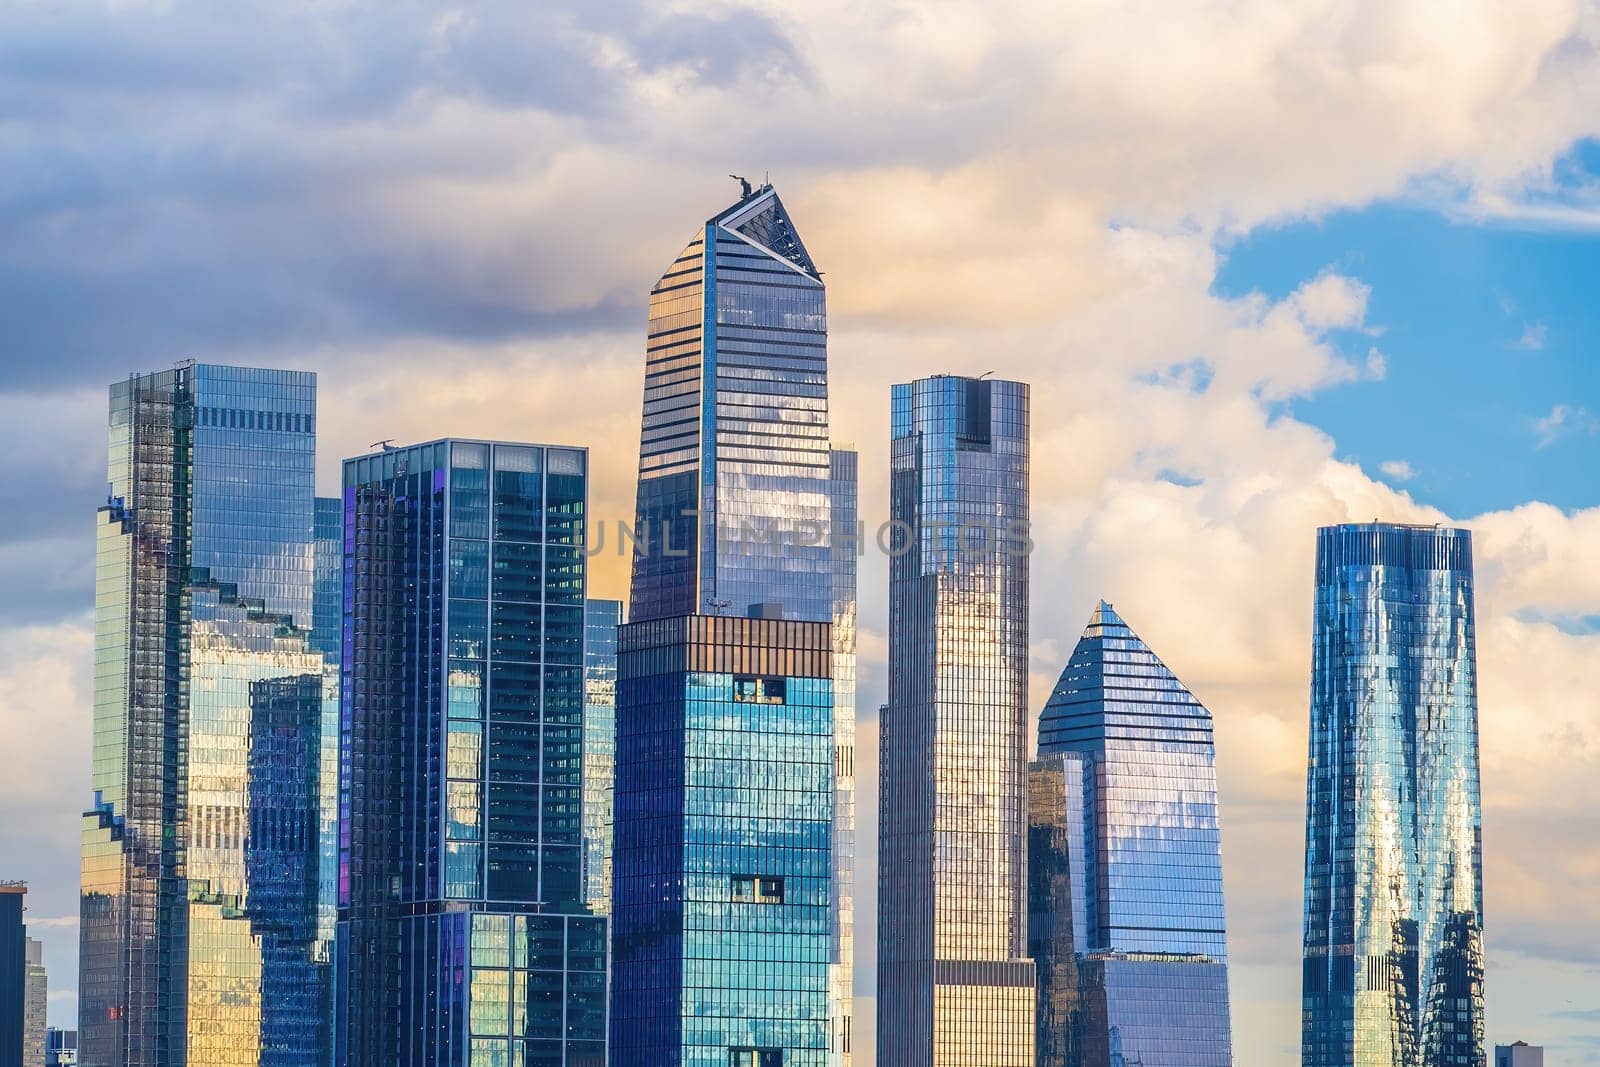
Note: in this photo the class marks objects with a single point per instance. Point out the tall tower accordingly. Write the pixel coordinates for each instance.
(725, 938)
(1137, 764)
(733, 455)
(1394, 955)
(847, 546)
(601, 619)
(14, 942)
(955, 986)
(206, 716)
(463, 933)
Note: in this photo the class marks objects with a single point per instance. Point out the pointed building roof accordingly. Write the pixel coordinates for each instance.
(762, 220)
(1114, 688)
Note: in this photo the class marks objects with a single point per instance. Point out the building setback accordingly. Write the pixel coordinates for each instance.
(199, 902)
(1132, 753)
(955, 986)
(463, 933)
(1394, 959)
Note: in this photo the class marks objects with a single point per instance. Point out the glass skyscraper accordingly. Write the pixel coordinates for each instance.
(848, 538)
(722, 877)
(601, 619)
(955, 985)
(13, 973)
(726, 936)
(1131, 752)
(199, 936)
(734, 467)
(1394, 954)
(327, 576)
(463, 936)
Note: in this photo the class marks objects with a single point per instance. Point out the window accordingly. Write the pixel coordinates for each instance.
(757, 889)
(755, 1057)
(759, 690)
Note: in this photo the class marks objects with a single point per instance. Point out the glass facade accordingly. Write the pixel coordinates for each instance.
(463, 937)
(601, 619)
(327, 577)
(847, 540)
(723, 874)
(731, 934)
(195, 898)
(733, 505)
(13, 972)
(1394, 954)
(1137, 763)
(1051, 943)
(955, 986)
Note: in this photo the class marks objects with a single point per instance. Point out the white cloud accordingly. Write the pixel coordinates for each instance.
(1564, 420)
(1398, 469)
(1533, 337)
(1332, 300)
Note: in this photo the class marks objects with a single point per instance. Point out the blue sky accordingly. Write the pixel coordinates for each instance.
(1487, 328)
(1267, 264)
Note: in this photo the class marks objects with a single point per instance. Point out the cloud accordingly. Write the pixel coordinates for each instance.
(1332, 300)
(1398, 470)
(1533, 337)
(1562, 421)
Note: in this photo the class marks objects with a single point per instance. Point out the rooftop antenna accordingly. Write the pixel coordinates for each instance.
(386, 445)
(744, 184)
(984, 375)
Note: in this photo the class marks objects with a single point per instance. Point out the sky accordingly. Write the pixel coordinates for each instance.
(1268, 265)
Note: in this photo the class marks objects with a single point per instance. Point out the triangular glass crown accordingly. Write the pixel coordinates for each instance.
(1115, 688)
(763, 219)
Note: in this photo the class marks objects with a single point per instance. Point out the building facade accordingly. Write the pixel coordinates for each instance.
(955, 985)
(726, 938)
(848, 543)
(60, 1048)
(601, 619)
(36, 1006)
(1518, 1054)
(723, 843)
(734, 463)
(463, 936)
(193, 902)
(1394, 957)
(1136, 760)
(1051, 912)
(13, 972)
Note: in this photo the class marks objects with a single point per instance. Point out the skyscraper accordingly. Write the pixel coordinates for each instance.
(1137, 766)
(463, 934)
(1394, 908)
(847, 545)
(723, 894)
(327, 576)
(13, 972)
(204, 722)
(1051, 911)
(601, 619)
(35, 1006)
(734, 464)
(955, 986)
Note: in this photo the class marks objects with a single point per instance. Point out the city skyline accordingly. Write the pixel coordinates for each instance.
(1265, 271)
